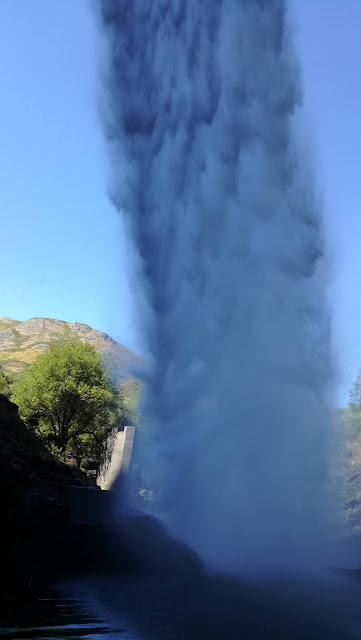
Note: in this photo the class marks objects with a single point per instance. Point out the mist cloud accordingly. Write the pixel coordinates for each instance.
(201, 97)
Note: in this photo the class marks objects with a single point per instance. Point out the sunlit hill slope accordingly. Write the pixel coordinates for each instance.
(22, 341)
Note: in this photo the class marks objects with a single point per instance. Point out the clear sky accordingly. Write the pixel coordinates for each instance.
(63, 253)
(329, 45)
(63, 248)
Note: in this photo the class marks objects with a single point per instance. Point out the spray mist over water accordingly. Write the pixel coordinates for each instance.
(201, 102)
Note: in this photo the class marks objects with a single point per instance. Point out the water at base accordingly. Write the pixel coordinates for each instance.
(324, 607)
(54, 614)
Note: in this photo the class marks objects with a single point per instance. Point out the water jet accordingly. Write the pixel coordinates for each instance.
(200, 111)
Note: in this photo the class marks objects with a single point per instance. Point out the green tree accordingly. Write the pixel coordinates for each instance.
(128, 396)
(349, 419)
(66, 398)
(4, 384)
(355, 393)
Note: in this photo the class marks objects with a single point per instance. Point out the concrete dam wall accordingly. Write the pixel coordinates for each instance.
(118, 458)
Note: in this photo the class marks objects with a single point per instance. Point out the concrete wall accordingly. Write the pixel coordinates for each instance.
(119, 458)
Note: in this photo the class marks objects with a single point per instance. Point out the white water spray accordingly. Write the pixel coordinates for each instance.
(201, 101)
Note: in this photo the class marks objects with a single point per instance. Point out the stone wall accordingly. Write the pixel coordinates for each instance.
(118, 458)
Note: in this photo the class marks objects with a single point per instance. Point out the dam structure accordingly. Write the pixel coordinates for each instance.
(118, 459)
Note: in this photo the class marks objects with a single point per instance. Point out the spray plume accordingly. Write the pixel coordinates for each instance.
(201, 97)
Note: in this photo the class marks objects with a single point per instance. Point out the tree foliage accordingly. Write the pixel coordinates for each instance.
(5, 389)
(355, 393)
(66, 398)
(349, 419)
(128, 397)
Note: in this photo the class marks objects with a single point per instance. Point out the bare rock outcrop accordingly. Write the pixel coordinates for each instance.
(21, 342)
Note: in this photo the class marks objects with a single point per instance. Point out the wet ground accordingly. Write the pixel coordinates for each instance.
(54, 616)
(326, 607)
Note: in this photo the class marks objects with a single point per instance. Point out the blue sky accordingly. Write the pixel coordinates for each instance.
(63, 250)
(328, 42)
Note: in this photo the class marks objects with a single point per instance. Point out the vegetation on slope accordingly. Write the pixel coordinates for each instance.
(73, 385)
(348, 422)
(22, 342)
(67, 400)
(5, 382)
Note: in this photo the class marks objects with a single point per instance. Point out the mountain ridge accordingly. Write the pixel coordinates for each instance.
(21, 341)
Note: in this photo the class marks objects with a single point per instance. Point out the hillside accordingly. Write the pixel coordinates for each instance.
(22, 341)
(348, 466)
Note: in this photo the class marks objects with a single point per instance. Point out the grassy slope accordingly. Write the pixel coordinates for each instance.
(21, 343)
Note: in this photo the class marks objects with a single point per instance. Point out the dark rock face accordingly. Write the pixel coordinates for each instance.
(54, 523)
(34, 510)
(149, 549)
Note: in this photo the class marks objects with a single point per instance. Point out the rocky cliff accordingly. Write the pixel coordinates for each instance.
(33, 499)
(54, 523)
(21, 342)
